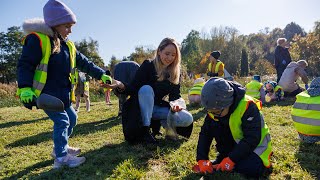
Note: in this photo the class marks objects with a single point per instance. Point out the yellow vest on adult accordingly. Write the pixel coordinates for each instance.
(216, 69)
(196, 89)
(264, 149)
(40, 75)
(306, 114)
(253, 89)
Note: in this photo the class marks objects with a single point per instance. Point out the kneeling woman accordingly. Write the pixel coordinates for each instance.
(154, 80)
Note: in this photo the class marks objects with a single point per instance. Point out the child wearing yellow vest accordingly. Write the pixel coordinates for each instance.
(195, 91)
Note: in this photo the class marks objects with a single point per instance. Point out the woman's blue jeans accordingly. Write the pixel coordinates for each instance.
(149, 110)
(63, 123)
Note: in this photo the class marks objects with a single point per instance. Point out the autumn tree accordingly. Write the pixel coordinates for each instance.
(244, 63)
(10, 51)
(293, 29)
(90, 50)
(190, 51)
(142, 53)
(263, 67)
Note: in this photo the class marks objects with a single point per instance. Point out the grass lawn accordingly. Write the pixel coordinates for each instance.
(26, 144)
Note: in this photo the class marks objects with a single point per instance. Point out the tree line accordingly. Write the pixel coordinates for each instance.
(241, 54)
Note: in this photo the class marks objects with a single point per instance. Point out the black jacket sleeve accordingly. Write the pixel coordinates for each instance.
(277, 56)
(205, 140)
(29, 60)
(175, 94)
(251, 127)
(142, 77)
(84, 65)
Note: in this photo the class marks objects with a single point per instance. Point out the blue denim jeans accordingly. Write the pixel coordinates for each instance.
(63, 123)
(149, 110)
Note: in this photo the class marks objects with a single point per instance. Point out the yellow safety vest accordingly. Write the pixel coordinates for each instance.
(196, 89)
(306, 114)
(40, 75)
(216, 69)
(86, 86)
(253, 89)
(278, 88)
(264, 149)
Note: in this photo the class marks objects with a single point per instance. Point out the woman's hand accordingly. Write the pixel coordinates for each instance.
(115, 84)
(176, 108)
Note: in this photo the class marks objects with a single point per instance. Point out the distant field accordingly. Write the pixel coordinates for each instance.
(26, 144)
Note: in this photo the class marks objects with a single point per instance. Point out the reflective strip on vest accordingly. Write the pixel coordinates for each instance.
(315, 107)
(306, 114)
(73, 76)
(253, 89)
(263, 150)
(196, 89)
(40, 75)
(216, 69)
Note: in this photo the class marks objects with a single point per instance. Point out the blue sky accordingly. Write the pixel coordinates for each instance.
(121, 25)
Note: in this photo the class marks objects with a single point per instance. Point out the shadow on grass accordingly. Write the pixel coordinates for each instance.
(80, 129)
(287, 102)
(112, 159)
(309, 158)
(225, 175)
(18, 123)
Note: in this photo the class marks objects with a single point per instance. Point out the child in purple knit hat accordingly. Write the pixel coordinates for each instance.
(48, 65)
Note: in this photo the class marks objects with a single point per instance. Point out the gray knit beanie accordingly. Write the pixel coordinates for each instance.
(216, 94)
(56, 12)
(314, 89)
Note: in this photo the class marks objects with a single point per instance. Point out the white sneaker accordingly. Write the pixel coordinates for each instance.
(71, 150)
(68, 160)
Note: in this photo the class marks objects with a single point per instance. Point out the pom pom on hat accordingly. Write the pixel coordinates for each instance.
(56, 12)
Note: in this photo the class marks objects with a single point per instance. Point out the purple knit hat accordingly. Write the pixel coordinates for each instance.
(56, 12)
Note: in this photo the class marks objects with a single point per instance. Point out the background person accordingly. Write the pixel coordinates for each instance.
(107, 93)
(215, 67)
(281, 57)
(82, 90)
(47, 65)
(273, 92)
(289, 78)
(255, 88)
(195, 92)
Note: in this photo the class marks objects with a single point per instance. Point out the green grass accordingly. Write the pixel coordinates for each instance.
(26, 144)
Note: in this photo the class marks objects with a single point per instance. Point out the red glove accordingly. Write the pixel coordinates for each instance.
(226, 165)
(203, 166)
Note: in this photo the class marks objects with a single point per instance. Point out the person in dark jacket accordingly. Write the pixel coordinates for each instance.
(281, 57)
(235, 122)
(124, 71)
(154, 80)
(47, 65)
